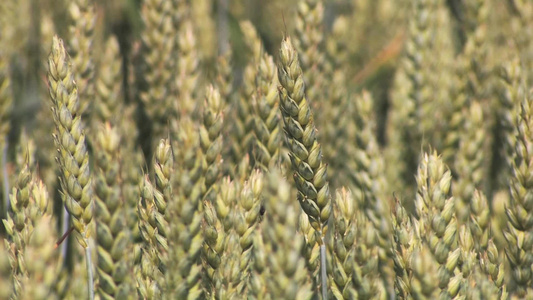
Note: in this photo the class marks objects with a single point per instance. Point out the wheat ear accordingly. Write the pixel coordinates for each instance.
(73, 157)
(310, 172)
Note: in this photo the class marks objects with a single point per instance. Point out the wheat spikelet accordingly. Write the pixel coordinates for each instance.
(457, 115)
(424, 282)
(246, 223)
(204, 28)
(73, 158)
(148, 273)
(108, 84)
(308, 42)
(242, 127)
(413, 91)
(406, 238)
(18, 226)
(113, 238)
(480, 220)
(214, 240)
(491, 263)
(80, 45)
(211, 137)
(519, 212)
(366, 173)
(187, 67)
(154, 223)
(186, 234)
(156, 66)
(356, 252)
(310, 172)
(228, 272)
(511, 94)
(41, 258)
(469, 161)
(224, 76)
(435, 214)
(288, 278)
(336, 117)
(267, 125)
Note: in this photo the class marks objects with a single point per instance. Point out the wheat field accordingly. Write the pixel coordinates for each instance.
(232, 149)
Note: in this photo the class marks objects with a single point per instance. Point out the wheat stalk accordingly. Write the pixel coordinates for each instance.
(6, 99)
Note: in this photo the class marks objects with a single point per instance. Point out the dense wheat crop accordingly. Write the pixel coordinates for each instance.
(247, 149)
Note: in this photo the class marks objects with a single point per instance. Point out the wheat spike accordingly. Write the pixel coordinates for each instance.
(112, 237)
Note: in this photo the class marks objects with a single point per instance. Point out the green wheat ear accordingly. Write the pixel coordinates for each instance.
(310, 172)
(113, 238)
(69, 137)
(305, 153)
(520, 210)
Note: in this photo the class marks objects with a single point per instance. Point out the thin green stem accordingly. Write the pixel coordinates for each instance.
(323, 271)
(88, 260)
(5, 180)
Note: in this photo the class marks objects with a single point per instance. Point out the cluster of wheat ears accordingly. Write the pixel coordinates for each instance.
(173, 149)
